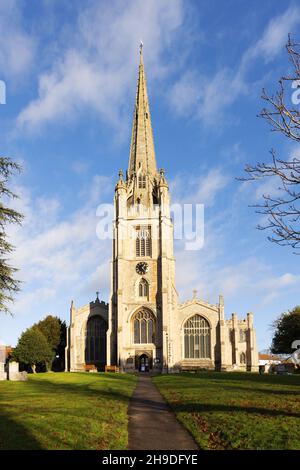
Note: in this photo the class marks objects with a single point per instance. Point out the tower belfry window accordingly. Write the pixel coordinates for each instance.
(143, 243)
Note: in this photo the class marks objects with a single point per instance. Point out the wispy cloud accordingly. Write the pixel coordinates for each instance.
(207, 97)
(214, 269)
(199, 189)
(96, 70)
(59, 258)
(274, 36)
(17, 46)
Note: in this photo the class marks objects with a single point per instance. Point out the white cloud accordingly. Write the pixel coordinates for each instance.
(186, 93)
(17, 47)
(98, 69)
(209, 186)
(207, 97)
(284, 280)
(220, 92)
(293, 152)
(275, 35)
(59, 258)
(269, 187)
(207, 272)
(199, 189)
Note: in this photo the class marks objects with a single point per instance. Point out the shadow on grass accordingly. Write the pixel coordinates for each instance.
(266, 391)
(86, 389)
(209, 408)
(14, 436)
(205, 407)
(245, 376)
(44, 397)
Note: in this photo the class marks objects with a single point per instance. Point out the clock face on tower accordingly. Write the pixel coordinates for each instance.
(142, 268)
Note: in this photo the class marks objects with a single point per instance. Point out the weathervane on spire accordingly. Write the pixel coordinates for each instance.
(141, 46)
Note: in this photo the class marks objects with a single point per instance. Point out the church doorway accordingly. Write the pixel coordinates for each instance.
(144, 363)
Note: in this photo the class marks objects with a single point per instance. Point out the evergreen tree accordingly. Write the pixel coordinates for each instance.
(33, 349)
(54, 330)
(50, 327)
(8, 284)
(287, 330)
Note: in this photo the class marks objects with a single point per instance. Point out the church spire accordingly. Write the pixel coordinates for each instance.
(142, 153)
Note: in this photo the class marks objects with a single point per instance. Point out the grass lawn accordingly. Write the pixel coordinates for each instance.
(65, 411)
(236, 410)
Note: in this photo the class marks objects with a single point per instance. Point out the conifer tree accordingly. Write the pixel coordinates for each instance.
(286, 330)
(33, 349)
(8, 284)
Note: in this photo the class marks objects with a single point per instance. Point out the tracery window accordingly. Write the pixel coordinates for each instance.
(143, 243)
(144, 327)
(197, 338)
(95, 339)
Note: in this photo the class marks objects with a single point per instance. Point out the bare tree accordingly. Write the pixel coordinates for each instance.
(283, 115)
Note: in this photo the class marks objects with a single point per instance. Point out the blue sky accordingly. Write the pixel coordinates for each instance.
(70, 69)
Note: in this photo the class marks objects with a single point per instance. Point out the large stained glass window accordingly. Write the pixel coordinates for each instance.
(95, 350)
(197, 338)
(144, 327)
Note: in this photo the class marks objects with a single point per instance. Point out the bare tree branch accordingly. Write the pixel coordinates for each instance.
(283, 211)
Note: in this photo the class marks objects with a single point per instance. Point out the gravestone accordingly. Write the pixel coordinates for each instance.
(14, 374)
(2, 353)
(3, 374)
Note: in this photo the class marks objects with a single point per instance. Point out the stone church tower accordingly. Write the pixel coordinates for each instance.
(143, 295)
(144, 327)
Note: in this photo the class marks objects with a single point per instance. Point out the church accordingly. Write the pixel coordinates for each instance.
(144, 327)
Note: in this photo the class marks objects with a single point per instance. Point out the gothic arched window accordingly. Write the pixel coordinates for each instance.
(242, 358)
(143, 288)
(95, 350)
(143, 241)
(144, 327)
(197, 338)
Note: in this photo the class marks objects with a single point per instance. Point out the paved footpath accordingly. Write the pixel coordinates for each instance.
(152, 424)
